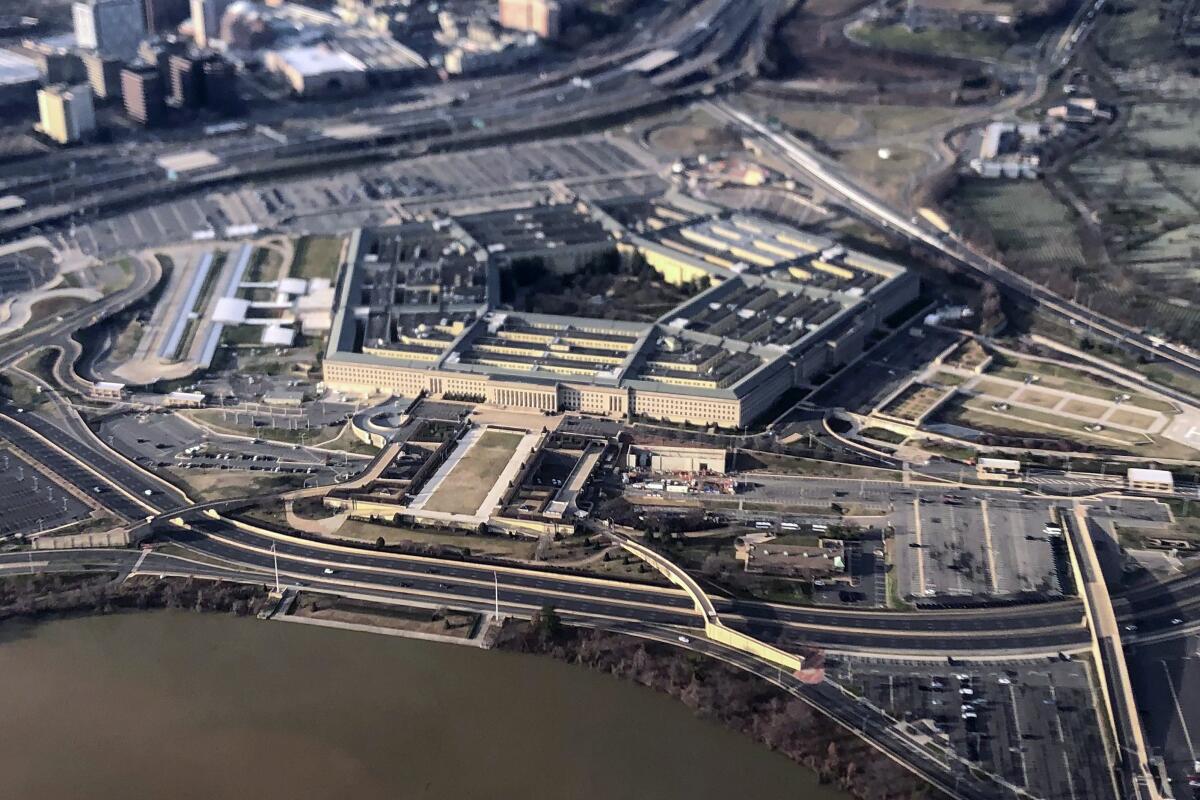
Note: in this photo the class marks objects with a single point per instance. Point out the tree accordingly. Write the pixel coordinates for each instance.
(547, 625)
(991, 316)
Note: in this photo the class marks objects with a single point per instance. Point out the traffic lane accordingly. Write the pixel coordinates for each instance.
(403, 568)
(1025, 617)
(446, 587)
(420, 565)
(114, 470)
(1016, 618)
(584, 601)
(109, 496)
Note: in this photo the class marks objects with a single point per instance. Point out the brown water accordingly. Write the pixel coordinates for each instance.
(179, 705)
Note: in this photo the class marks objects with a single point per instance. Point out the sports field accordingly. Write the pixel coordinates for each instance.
(467, 485)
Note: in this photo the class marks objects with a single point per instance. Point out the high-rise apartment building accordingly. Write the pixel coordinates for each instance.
(111, 27)
(66, 113)
(103, 74)
(144, 94)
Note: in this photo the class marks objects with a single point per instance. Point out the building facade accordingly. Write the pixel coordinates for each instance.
(543, 17)
(723, 357)
(111, 27)
(66, 113)
(143, 93)
(104, 75)
(206, 20)
(164, 16)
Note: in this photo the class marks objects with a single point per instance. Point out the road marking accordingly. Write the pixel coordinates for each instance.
(920, 545)
(1178, 708)
(989, 550)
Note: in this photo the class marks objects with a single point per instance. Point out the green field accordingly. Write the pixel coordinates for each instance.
(468, 484)
(973, 44)
(317, 257)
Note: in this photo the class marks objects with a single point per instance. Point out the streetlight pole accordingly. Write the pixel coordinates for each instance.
(496, 589)
(275, 556)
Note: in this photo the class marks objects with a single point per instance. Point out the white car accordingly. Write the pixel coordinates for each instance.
(1004, 681)
(685, 640)
(328, 571)
(1177, 621)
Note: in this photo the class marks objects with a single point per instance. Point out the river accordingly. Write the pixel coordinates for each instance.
(181, 705)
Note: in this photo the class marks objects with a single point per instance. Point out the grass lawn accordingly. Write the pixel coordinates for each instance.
(1080, 383)
(792, 465)
(51, 307)
(495, 546)
(465, 488)
(975, 44)
(317, 257)
(217, 485)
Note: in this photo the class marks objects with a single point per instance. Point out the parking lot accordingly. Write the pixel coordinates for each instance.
(1166, 684)
(593, 166)
(168, 441)
(1035, 724)
(961, 548)
(29, 502)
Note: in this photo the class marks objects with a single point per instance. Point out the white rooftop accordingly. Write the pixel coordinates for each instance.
(186, 162)
(293, 286)
(1150, 475)
(320, 60)
(231, 310)
(278, 335)
(16, 68)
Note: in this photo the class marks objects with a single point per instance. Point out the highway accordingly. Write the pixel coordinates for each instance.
(1032, 629)
(826, 174)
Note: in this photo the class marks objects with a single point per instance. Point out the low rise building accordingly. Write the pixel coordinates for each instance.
(772, 307)
(671, 458)
(997, 469)
(800, 557)
(1157, 481)
(318, 70)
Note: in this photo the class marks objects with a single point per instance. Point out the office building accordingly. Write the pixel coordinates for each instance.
(186, 74)
(773, 307)
(112, 27)
(144, 95)
(220, 86)
(66, 113)
(164, 16)
(103, 75)
(318, 70)
(543, 17)
(19, 79)
(206, 20)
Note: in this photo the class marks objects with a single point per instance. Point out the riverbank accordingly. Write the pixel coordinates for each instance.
(201, 706)
(713, 690)
(41, 596)
(732, 697)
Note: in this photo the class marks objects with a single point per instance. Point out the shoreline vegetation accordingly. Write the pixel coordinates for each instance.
(713, 690)
(729, 696)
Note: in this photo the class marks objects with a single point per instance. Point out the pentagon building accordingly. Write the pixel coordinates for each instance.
(417, 311)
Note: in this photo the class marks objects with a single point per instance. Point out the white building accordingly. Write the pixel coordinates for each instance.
(1150, 480)
(111, 27)
(318, 70)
